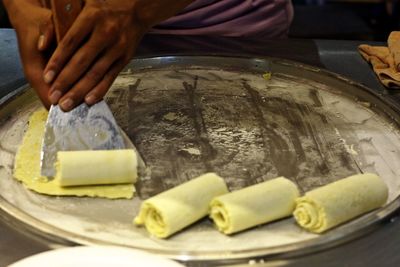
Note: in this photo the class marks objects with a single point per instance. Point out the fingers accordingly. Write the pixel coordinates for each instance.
(33, 69)
(41, 90)
(100, 71)
(32, 72)
(33, 63)
(77, 66)
(90, 56)
(101, 89)
(80, 30)
(46, 36)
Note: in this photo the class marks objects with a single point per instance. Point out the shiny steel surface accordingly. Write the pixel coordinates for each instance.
(188, 115)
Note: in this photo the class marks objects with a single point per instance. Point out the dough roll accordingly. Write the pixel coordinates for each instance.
(173, 210)
(94, 167)
(254, 205)
(340, 201)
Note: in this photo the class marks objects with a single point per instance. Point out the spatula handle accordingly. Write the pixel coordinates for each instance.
(46, 3)
(64, 14)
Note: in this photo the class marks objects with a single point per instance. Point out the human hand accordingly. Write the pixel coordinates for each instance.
(35, 33)
(99, 44)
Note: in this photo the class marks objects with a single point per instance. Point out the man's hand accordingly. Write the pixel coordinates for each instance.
(35, 33)
(99, 44)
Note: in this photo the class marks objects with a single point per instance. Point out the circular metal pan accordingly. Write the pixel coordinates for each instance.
(191, 114)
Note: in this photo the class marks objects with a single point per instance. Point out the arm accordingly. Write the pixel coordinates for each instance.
(34, 30)
(99, 44)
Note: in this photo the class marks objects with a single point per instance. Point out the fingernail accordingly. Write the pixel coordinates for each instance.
(41, 42)
(49, 76)
(90, 99)
(67, 104)
(54, 97)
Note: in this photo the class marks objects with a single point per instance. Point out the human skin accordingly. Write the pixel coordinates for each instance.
(96, 48)
(35, 33)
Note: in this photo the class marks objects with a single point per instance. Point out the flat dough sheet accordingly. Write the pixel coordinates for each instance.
(27, 168)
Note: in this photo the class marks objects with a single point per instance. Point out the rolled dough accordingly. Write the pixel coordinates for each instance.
(338, 202)
(254, 205)
(173, 210)
(27, 168)
(96, 167)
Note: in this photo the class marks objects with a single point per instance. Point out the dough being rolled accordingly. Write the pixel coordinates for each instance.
(173, 210)
(27, 168)
(340, 201)
(94, 167)
(254, 205)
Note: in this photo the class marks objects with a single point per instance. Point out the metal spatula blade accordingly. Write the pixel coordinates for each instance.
(83, 128)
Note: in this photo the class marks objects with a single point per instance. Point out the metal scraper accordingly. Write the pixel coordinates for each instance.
(83, 128)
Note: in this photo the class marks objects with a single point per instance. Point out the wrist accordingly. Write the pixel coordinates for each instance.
(12, 10)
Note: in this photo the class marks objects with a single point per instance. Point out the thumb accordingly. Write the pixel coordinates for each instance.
(46, 35)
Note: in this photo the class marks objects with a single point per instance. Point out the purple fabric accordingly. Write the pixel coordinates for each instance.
(249, 18)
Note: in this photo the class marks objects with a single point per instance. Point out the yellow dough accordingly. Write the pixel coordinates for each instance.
(173, 210)
(96, 167)
(340, 201)
(27, 168)
(254, 205)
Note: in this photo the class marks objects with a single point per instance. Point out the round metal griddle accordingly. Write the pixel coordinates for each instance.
(188, 115)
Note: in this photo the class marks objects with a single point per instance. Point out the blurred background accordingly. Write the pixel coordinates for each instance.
(345, 19)
(332, 19)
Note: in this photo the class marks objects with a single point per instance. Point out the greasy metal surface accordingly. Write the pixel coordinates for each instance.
(83, 128)
(188, 115)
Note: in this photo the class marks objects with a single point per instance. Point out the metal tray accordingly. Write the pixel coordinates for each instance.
(191, 114)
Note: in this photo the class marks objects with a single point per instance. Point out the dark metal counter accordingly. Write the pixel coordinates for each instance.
(377, 248)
